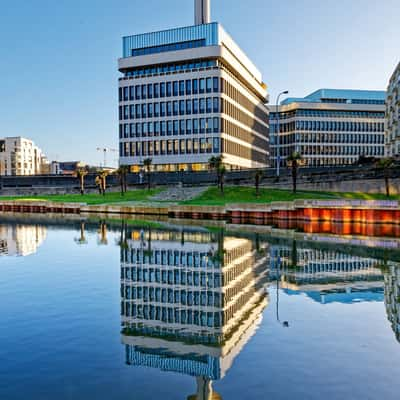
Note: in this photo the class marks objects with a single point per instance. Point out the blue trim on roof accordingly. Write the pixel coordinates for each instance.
(207, 32)
(348, 95)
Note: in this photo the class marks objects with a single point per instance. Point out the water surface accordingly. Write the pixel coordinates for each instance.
(112, 310)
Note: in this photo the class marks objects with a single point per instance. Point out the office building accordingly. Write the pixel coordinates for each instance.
(20, 156)
(329, 127)
(392, 296)
(392, 133)
(188, 94)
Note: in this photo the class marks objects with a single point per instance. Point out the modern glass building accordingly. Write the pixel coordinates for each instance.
(329, 127)
(188, 94)
(392, 133)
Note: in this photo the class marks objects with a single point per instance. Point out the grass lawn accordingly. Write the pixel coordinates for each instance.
(241, 194)
(92, 199)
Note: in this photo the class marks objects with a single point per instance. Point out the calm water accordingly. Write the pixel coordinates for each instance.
(114, 311)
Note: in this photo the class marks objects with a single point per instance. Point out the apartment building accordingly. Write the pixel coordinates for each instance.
(20, 156)
(392, 132)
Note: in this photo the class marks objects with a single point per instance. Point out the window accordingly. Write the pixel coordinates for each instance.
(202, 85)
(176, 127)
(176, 107)
(202, 107)
(215, 85)
(195, 106)
(144, 92)
(209, 85)
(181, 88)
(195, 86)
(209, 105)
(162, 89)
(195, 126)
(188, 126)
(216, 104)
(163, 109)
(169, 128)
(126, 93)
(144, 110)
(188, 87)
(182, 126)
(169, 108)
(156, 90)
(175, 88)
(131, 93)
(182, 107)
(156, 109)
(169, 89)
(188, 107)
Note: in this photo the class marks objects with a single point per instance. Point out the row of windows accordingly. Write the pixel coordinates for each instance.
(169, 128)
(239, 98)
(170, 147)
(238, 150)
(170, 108)
(329, 126)
(331, 150)
(168, 89)
(237, 114)
(236, 131)
(327, 114)
(166, 258)
(171, 67)
(169, 47)
(317, 137)
(184, 297)
(172, 315)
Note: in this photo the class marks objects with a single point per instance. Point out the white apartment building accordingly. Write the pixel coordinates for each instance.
(20, 156)
(392, 131)
(188, 94)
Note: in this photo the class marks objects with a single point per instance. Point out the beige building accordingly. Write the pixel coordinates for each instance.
(392, 131)
(20, 156)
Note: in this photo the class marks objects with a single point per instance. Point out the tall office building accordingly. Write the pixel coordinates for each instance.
(392, 133)
(329, 127)
(188, 94)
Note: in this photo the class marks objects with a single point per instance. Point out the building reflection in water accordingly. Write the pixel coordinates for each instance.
(392, 296)
(190, 301)
(21, 240)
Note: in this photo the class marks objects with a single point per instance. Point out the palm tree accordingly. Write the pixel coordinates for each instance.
(215, 163)
(221, 177)
(122, 173)
(294, 161)
(102, 179)
(147, 164)
(258, 177)
(80, 174)
(385, 164)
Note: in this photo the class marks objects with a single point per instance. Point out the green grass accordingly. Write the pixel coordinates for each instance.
(240, 194)
(92, 199)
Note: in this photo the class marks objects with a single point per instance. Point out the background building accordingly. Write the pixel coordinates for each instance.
(393, 115)
(20, 156)
(188, 94)
(330, 127)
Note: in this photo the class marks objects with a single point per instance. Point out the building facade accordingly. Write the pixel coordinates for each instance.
(188, 94)
(329, 127)
(20, 156)
(392, 133)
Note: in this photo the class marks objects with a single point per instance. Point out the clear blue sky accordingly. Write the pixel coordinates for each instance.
(58, 66)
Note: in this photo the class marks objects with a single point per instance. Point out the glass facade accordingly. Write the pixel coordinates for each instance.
(208, 34)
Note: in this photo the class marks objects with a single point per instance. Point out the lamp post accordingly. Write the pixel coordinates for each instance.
(278, 131)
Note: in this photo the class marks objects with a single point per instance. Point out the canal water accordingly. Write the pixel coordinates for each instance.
(121, 310)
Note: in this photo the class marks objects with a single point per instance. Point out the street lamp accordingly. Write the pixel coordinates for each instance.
(278, 131)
